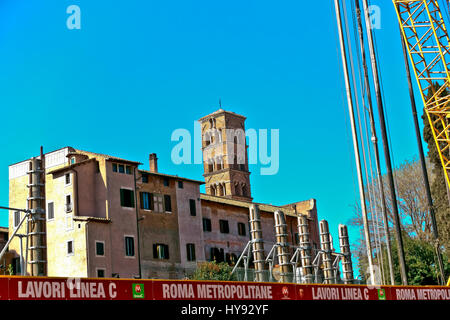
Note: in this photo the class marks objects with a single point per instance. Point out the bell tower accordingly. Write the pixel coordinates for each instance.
(225, 159)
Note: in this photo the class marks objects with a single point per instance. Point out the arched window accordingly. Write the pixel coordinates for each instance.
(237, 189)
(244, 190)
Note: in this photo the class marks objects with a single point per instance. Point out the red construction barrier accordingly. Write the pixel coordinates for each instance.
(43, 288)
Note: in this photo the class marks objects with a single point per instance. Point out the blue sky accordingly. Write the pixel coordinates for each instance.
(138, 70)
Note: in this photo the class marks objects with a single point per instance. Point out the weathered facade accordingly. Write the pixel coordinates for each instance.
(105, 217)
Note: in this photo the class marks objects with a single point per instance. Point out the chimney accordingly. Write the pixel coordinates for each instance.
(153, 160)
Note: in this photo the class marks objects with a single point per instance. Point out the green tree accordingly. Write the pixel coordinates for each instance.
(213, 271)
(420, 259)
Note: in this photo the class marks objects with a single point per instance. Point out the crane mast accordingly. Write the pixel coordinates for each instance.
(427, 42)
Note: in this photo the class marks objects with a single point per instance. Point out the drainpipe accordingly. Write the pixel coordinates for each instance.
(137, 226)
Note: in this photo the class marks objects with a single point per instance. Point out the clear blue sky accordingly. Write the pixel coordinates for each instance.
(137, 70)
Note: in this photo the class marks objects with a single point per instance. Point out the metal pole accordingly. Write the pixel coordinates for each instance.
(257, 242)
(355, 141)
(282, 244)
(387, 155)
(375, 144)
(423, 164)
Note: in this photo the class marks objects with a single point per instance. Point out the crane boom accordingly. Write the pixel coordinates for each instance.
(427, 41)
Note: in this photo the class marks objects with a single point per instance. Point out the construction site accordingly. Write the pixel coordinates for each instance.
(86, 225)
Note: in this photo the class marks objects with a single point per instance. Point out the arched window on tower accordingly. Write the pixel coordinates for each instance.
(244, 190)
(237, 189)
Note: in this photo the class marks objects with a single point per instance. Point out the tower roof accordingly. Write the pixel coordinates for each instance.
(220, 112)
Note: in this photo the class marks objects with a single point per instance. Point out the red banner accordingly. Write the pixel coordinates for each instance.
(41, 288)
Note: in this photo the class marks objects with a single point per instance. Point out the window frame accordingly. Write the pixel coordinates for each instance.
(208, 224)
(66, 184)
(96, 251)
(193, 206)
(67, 248)
(125, 237)
(222, 224)
(190, 254)
(122, 198)
(48, 211)
(167, 199)
(155, 251)
(16, 223)
(240, 227)
(100, 269)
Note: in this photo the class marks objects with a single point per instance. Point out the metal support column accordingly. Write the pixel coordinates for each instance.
(347, 268)
(282, 245)
(325, 245)
(257, 242)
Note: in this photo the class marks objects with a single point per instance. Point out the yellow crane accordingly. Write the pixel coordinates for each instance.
(427, 42)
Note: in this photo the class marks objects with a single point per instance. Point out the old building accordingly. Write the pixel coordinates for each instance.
(106, 217)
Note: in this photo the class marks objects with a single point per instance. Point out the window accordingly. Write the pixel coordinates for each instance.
(72, 160)
(297, 239)
(16, 218)
(180, 184)
(206, 224)
(241, 229)
(129, 246)
(70, 249)
(100, 273)
(144, 178)
(146, 199)
(50, 211)
(128, 169)
(158, 203)
(190, 251)
(121, 168)
(127, 198)
(217, 255)
(224, 228)
(160, 251)
(192, 207)
(99, 248)
(167, 203)
(68, 180)
(114, 167)
(166, 182)
(68, 203)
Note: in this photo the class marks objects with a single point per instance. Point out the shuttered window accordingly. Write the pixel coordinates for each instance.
(127, 198)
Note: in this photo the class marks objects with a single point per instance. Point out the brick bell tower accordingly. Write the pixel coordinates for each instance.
(225, 159)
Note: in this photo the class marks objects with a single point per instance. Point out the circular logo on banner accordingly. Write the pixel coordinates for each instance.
(285, 291)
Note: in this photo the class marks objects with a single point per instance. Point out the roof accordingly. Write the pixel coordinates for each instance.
(172, 176)
(219, 112)
(62, 169)
(4, 229)
(40, 155)
(107, 157)
(247, 204)
(91, 219)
